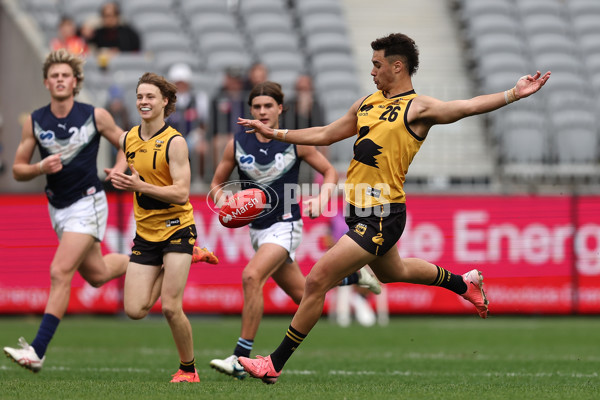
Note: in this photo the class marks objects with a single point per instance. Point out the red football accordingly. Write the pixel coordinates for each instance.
(242, 208)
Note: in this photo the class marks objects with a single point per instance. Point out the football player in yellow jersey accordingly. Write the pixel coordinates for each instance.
(390, 126)
(165, 231)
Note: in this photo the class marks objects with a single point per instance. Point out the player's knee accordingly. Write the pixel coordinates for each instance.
(250, 279)
(59, 276)
(314, 285)
(171, 311)
(135, 312)
(95, 282)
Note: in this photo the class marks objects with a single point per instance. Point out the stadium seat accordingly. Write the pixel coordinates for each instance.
(506, 42)
(540, 7)
(589, 44)
(158, 42)
(219, 60)
(338, 98)
(333, 62)
(544, 23)
(524, 145)
(194, 7)
(499, 81)
(567, 83)
(268, 22)
(83, 10)
(281, 42)
(487, 24)
(576, 145)
(585, 24)
(558, 62)
(472, 9)
(131, 8)
(583, 7)
(326, 81)
(203, 22)
(592, 63)
(169, 57)
(327, 42)
(319, 23)
(156, 22)
(207, 82)
(502, 63)
(251, 7)
(283, 61)
(287, 80)
(552, 42)
(221, 41)
(305, 8)
(130, 61)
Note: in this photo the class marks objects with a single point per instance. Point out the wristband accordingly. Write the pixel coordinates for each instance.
(280, 134)
(510, 96)
(41, 165)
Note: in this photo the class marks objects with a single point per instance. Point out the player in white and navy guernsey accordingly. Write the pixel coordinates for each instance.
(271, 165)
(268, 166)
(76, 138)
(67, 134)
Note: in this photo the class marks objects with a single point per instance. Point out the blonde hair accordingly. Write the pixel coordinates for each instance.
(62, 56)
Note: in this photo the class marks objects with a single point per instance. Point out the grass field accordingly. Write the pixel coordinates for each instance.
(413, 358)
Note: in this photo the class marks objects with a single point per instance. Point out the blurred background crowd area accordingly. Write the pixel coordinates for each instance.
(319, 51)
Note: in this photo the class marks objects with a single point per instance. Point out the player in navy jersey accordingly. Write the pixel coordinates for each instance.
(67, 134)
(270, 165)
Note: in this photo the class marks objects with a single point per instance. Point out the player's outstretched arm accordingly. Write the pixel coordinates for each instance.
(428, 111)
(339, 129)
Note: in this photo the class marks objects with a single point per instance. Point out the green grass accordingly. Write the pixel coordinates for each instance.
(412, 358)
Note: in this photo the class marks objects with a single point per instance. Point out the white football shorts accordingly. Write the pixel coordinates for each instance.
(87, 215)
(285, 234)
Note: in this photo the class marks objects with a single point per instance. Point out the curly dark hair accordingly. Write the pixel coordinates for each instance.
(167, 89)
(399, 45)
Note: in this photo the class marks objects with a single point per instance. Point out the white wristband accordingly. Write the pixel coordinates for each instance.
(41, 165)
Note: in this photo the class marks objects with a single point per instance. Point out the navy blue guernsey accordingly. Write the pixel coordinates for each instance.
(269, 165)
(76, 139)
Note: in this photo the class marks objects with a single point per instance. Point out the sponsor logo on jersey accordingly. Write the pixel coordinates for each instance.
(246, 162)
(172, 222)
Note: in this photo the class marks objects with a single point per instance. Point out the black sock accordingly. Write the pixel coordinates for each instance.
(243, 347)
(290, 342)
(450, 281)
(350, 279)
(188, 366)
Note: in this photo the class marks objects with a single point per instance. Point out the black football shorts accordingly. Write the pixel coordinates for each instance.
(376, 229)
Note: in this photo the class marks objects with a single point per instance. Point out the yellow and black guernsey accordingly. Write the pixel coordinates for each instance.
(156, 220)
(383, 150)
